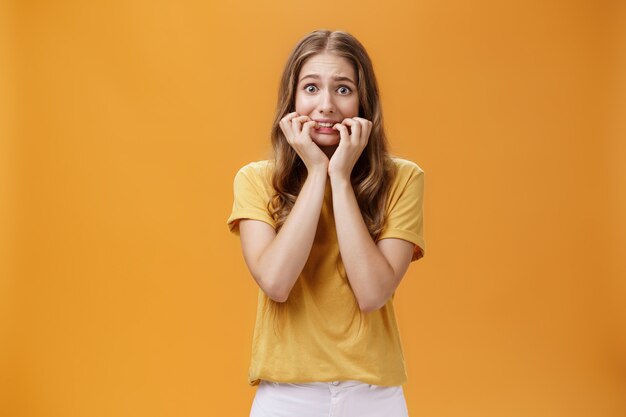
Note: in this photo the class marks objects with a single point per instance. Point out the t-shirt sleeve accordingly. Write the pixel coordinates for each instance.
(250, 199)
(405, 218)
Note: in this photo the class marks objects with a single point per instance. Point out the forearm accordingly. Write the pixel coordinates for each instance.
(283, 259)
(368, 271)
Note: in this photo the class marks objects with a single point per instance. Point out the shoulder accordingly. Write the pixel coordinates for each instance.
(257, 174)
(256, 168)
(406, 169)
(260, 171)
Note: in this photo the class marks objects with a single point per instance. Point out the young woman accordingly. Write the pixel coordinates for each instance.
(328, 228)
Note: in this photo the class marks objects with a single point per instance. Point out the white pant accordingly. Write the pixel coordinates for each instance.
(328, 399)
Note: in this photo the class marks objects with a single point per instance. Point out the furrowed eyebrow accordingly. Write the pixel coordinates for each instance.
(336, 78)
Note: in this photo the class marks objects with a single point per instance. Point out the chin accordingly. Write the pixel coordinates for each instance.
(326, 140)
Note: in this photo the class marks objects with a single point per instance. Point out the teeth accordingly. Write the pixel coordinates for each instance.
(322, 124)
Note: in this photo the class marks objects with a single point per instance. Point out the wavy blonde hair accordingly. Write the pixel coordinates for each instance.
(373, 172)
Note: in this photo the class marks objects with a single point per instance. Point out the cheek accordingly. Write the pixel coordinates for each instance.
(303, 105)
(351, 108)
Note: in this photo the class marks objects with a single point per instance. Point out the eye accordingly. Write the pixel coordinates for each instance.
(346, 89)
(306, 88)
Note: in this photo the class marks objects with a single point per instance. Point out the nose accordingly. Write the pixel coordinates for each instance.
(326, 103)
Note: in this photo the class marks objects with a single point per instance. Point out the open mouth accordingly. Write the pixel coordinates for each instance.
(323, 129)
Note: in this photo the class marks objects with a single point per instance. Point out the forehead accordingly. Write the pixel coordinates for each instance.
(327, 65)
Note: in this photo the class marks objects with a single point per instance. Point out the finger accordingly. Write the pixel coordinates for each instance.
(285, 126)
(344, 135)
(355, 126)
(296, 123)
(366, 128)
(364, 122)
(288, 117)
(295, 126)
(362, 138)
(306, 128)
(286, 132)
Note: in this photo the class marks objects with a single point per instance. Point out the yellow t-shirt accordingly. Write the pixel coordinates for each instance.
(319, 334)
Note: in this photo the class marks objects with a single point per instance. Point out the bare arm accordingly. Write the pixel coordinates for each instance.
(374, 271)
(276, 260)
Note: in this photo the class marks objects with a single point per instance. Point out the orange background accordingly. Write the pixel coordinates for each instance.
(123, 124)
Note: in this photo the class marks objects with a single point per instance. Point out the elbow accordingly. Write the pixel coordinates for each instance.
(369, 308)
(376, 295)
(371, 305)
(274, 290)
(277, 297)
(366, 308)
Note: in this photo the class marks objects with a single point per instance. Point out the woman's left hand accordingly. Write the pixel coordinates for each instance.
(350, 147)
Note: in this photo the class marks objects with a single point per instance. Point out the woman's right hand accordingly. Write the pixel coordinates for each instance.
(297, 131)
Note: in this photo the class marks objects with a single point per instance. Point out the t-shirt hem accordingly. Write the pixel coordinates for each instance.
(254, 381)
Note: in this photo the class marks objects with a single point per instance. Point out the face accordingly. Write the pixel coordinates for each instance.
(327, 91)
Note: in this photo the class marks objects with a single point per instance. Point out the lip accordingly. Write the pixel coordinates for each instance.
(326, 131)
(326, 121)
